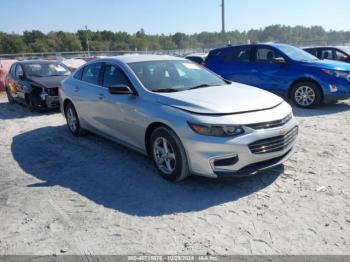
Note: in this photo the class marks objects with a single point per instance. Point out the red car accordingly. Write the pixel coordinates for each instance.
(5, 66)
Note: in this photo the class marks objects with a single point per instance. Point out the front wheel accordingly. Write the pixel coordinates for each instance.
(169, 155)
(30, 103)
(306, 94)
(73, 120)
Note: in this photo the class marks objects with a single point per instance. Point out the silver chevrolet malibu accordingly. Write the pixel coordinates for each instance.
(186, 118)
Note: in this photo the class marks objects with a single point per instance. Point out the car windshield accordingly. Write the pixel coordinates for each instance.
(296, 54)
(46, 69)
(174, 75)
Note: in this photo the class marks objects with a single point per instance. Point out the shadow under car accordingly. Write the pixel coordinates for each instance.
(121, 179)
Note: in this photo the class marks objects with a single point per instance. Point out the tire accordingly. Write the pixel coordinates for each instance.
(176, 155)
(9, 96)
(73, 120)
(30, 105)
(306, 94)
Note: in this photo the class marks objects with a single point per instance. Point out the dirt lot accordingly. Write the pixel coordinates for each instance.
(60, 194)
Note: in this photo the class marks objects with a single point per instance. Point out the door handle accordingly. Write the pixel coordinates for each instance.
(76, 89)
(101, 96)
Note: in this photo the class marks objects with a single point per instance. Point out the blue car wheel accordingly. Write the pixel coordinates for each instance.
(306, 94)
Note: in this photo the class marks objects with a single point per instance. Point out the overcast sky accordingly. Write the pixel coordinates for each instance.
(169, 16)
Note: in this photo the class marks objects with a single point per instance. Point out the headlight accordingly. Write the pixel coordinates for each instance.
(217, 130)
(340, 74)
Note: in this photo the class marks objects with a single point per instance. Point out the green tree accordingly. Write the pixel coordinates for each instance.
(36, 41)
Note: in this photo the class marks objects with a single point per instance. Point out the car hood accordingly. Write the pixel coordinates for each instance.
(228, 99)
(48, 82)
(329, 64)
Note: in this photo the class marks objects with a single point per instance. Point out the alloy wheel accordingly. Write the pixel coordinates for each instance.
(164, 155)
(305, 95)
(72, 119)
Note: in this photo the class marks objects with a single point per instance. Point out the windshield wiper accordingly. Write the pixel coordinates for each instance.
(58, 75)
(165, 90)
(308, 60)
(34, 75)
(201, 86)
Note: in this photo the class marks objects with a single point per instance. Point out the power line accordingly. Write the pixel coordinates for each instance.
(223, 15)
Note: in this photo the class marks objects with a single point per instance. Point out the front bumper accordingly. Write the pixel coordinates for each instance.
(256, 168)
(203, 151)
(336, 90)
(336, 97)
(44, 101)
(52, 102)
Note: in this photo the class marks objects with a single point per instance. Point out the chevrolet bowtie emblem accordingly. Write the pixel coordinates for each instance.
(284, 131)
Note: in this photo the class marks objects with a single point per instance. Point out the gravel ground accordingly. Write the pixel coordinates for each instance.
(60, 194)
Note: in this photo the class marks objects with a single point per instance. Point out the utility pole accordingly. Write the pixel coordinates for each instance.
(87, 41)
(223, 15)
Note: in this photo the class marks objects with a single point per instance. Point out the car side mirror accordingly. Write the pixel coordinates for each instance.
(21, 77)
(120, 90)
(279, 60)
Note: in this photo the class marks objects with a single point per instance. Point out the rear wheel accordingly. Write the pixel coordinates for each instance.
(73, 120)
(306, 94)
(9, 96)
(169, 155)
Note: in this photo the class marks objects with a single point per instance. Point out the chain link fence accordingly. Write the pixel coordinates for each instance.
(82, 55)
(177, 52)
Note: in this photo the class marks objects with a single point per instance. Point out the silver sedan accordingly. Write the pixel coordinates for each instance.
(186, 118)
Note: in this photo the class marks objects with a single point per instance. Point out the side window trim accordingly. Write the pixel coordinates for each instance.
(100, 76)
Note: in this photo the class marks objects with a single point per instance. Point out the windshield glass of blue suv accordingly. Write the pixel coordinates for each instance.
(296, 53)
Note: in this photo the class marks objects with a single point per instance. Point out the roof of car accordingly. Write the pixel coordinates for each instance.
(142, 58)
(257, 44)
(326, 46)
(197, 55)
(38, 61)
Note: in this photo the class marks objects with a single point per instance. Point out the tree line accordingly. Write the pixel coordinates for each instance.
(37, 41)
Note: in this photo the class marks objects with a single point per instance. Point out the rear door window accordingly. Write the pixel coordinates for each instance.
(91, 73)
(238, 54)
(214, 54)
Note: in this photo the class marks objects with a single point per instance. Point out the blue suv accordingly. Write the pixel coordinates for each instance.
(285, 70)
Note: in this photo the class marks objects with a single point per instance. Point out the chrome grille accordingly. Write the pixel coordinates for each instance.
(274, 144)
(271, 124)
